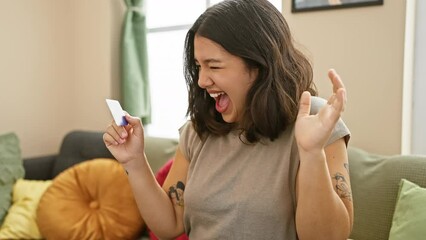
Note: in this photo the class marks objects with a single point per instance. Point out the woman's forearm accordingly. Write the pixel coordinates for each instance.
(153, 202)
(320, 213)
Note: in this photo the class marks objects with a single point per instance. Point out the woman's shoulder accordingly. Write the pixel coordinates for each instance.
(187, 130)
(187, 124)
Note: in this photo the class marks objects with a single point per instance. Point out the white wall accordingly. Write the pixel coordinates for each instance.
(366, 46)
(419, 85)
(36, 72)
(55, 70)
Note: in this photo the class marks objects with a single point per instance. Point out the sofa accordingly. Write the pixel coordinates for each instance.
(81, 146)
(375, 179)
(378, 199)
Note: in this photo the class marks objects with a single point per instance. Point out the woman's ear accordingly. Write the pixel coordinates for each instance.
(254, 72)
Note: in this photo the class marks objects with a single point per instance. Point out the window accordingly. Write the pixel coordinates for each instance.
(167, 23)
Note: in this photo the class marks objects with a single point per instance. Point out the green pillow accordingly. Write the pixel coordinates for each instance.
(409, 218)
(11, 169)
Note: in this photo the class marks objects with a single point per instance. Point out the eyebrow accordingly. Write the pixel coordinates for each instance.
(209, 60)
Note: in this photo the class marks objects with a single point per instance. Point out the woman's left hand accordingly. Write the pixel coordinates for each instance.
(312, 131)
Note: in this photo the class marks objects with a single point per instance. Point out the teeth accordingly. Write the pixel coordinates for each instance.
(215, 95)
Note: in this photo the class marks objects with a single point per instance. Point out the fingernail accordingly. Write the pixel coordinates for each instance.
(123, 134)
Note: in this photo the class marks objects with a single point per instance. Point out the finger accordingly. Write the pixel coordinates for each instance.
(128, 127)
(336, 105)
(136, 124)
(335, 80)
(109, 140)
(331, 99)
(305, 104)
(340, 102)
(118, 133)
(120, 130)
(334, 112)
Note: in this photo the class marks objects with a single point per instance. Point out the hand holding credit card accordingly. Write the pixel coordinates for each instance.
(116, 112)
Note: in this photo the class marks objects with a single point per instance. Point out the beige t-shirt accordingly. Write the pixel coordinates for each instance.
(240, 191)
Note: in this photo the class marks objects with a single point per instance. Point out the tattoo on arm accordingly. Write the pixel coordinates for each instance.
(176, 193)
(346, 165)
(341, 186)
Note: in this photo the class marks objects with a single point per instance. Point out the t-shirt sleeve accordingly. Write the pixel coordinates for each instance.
(188, 139)
(340, 130)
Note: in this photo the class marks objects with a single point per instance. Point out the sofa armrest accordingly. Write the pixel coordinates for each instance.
(159, 150)
(39, 168)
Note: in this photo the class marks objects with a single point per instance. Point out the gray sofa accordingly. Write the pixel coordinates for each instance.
(374, 178)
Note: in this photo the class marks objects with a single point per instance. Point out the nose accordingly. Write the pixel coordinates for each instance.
(204, 79)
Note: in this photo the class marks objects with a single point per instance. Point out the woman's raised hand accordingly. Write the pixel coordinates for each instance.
(312, 131)
(126, 143)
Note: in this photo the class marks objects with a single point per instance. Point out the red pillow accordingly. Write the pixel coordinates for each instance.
(163, 172)
(161, 177)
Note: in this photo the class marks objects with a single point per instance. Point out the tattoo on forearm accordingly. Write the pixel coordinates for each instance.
(346, 165)
(342, 187)
(176, 193)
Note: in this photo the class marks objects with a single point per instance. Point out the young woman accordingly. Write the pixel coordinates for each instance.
(260, 158)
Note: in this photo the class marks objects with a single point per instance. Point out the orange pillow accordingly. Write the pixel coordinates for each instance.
(91, 200)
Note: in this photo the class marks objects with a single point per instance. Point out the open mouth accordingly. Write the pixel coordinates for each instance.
(222, 101)
(216, 95)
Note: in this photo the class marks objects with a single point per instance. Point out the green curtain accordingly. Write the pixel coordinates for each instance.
(135, 92)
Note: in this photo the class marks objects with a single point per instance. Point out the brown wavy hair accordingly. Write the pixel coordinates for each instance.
(258, 33)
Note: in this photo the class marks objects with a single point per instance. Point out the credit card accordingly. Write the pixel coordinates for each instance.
(116, 112)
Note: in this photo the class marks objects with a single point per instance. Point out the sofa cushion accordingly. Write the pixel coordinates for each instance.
(79, 146)
(11, 169)
(91, 200)
(159, 150)
(39, 168)
(409, 219)
(20, 222)
(375, 184)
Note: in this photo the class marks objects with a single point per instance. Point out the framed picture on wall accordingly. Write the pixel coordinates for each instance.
(313, 5)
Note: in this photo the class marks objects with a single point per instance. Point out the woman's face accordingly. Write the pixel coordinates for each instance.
(225, 77)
